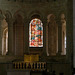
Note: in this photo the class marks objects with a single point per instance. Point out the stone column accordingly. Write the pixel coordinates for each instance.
(1, 18)
(69, 31)
(44, 36)
(47, 39)
(74, 33)
(0, 38)
(69, 34)
(10, 37)
(26, 36)
(59, 37)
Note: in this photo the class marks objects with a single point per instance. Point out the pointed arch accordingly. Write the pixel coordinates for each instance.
(34, 13)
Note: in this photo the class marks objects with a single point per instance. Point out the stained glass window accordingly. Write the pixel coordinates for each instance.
(36, 33)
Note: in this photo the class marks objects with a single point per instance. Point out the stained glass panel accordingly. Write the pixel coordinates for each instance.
(35, 33)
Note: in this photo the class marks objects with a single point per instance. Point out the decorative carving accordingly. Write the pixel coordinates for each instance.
(31, 58)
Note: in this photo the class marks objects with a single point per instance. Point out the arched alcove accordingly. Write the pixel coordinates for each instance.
(35, 16)
(8, 18)
(63, 21)
(18, 34)
(5, 41)
(4, 36)
(52, 35)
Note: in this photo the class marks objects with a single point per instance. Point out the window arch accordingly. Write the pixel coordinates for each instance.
(5, 42)
(36, 33)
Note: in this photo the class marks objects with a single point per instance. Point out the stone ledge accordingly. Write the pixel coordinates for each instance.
(9, 58)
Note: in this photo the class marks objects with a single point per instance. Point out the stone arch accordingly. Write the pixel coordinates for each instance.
(8, 17)
(34, 13)
(8, 14)
(50, 18)
(5, 27)
(52, 31)
(31, 15)
(4, 36)
(21, 12)
(18, 19)
(1, 15)
(4, 33)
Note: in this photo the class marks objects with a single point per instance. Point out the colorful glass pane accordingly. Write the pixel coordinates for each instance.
(36, 33)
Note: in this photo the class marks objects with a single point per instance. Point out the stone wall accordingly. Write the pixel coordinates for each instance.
(18, 26)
